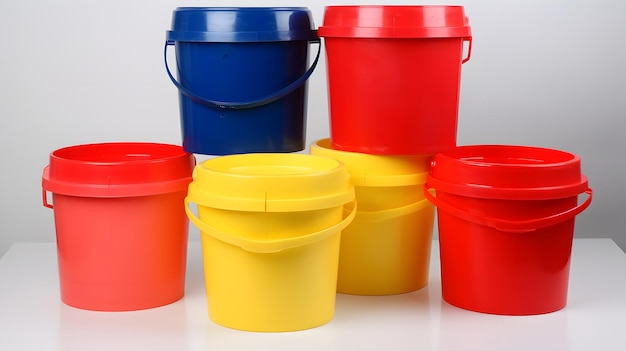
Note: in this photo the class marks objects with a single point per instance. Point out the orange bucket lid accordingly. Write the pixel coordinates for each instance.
(118, 169)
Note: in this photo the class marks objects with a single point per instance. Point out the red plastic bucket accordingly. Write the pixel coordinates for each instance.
(506, 223)
(120, 222)
(394, 76)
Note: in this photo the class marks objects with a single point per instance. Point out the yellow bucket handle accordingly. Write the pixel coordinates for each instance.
(379, 216)
(271, 246)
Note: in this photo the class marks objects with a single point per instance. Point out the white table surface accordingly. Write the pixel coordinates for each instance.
(32, 316)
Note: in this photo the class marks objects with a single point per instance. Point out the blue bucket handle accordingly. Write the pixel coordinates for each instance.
(241, 105)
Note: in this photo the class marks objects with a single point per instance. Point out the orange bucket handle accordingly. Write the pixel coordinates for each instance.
(469, 49)
(271, 246)
(44, 199)
(507, 225)
(44, 192)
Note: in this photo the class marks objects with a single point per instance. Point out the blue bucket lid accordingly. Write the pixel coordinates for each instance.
(241, 24)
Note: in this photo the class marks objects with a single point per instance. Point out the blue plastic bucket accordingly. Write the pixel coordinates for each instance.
(242, 74)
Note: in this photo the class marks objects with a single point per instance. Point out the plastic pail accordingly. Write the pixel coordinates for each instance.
(121, 228)
(386, 248)
(270, 226)
(394, 76)
(506, 222)
(242, 76)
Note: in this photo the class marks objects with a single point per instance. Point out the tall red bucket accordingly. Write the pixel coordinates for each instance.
(506, 223)
(120, 221)
(394, 76)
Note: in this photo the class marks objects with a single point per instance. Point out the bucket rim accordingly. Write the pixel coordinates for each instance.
(395, 21)
(538, 193)
(367, 170)
(243, 25)
(241, 8)
(271, 182)
(118, 169)
(514, 172)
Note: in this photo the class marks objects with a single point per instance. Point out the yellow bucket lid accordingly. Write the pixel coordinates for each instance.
(271, 182)
(377, 170)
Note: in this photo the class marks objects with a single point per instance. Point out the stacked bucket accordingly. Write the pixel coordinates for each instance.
(282, 232)
(393, 83)
(505, 213)
(270, 218)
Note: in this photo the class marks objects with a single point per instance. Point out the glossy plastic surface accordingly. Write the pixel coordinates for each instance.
(241, 24)
(506, 221)
(121, 229)
(242, 76)
(508, 172)
(270, 226)
(377, 170)
(118, 169)
(493, 271)
(121, 254)
(392, 95)
(386, 248)
(286, 290)
(376, 21)
(271, 183)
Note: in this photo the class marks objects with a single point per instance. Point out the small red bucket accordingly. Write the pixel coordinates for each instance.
(394, 76)
(506, 223)
(120, 221)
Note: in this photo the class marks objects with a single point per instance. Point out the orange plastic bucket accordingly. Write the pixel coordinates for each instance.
(120, 222)
(394, 76)
(506, 223)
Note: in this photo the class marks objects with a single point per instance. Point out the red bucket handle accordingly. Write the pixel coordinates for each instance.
(507, 225)
(469, 49)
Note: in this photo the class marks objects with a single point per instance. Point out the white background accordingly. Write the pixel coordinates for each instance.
(543, 72)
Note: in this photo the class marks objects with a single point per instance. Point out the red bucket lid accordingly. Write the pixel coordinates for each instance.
(507, 172)
(375, 21)
(118, 169)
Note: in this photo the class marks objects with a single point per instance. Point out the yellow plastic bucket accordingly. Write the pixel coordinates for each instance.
(270, 227)
(386, 248)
